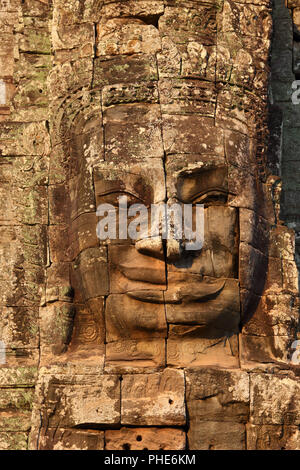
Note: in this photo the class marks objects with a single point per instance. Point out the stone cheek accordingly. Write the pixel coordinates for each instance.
(138, 321)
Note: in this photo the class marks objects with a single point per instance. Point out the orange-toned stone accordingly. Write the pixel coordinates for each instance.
(153, 399)
(145, 439)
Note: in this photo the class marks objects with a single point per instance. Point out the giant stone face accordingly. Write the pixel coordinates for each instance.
(168, 119)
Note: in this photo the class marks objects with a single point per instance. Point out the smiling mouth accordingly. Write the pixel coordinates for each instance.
(145, 274)
(193, 292)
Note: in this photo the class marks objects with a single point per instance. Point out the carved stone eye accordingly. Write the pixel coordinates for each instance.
(217, 197)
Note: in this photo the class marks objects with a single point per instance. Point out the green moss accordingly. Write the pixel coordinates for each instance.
(33, 329)
(38, 41)
(14, 441)
(219, 5)
(16, 423)
(119, 68)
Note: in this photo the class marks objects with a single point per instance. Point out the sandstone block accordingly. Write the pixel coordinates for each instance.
(131, 271)
(129, 69)
(127, 317)
(217, 397)
(140, 355)
(192, 346)
(145, 439)
(127, 36)
(272, 437)
(71, 439)
(153, 399)
(274, 400)
(78, 400)
(210, 435)
(132, 130)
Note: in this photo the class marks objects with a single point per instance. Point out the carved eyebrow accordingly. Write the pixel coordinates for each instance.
(119, 184)
(120, 191)
(200, 171)
(215, 191)
(190, 185)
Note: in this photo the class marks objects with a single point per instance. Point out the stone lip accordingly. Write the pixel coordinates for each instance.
(147, 273)
(199, 292)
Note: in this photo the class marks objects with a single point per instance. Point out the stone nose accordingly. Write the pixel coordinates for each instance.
(151, 246)
(174, 249)
(159, 248)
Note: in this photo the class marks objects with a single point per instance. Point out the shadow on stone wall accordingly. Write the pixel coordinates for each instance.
(284, 150)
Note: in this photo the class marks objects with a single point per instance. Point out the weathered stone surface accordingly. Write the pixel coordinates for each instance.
(190, 346)
(89, 325)
(272, 437)
(236, 63)
(92, 267)
(18, 376)
(218, 408)
(145, 439)
(19, 327)
(210, 304)
(25, 139)
(16, 399)
(68, 77)
(274, 399)
(191, 134)
(254, 230)
(78, 400)
(13, 441)
(214, 435)
(276, 315)
(153, 399)
(24, 206)
(138, 320)
(145, 9)
(266, 349)
(132, 130)
(253, 273)
(29, 102)
(124, 69)
(126, 36)
(138, 180)
(132, 271)
(71, 439)
(56, 326)
(209, 391)
(142, 355)
(22, 255)
(11, 402)
(180, 96)
(188, 41)
(78, 38)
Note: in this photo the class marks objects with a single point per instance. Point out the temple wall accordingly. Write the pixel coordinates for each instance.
(285, 116)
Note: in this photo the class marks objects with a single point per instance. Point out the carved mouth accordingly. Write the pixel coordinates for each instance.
(144, 274)
(195, 292)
